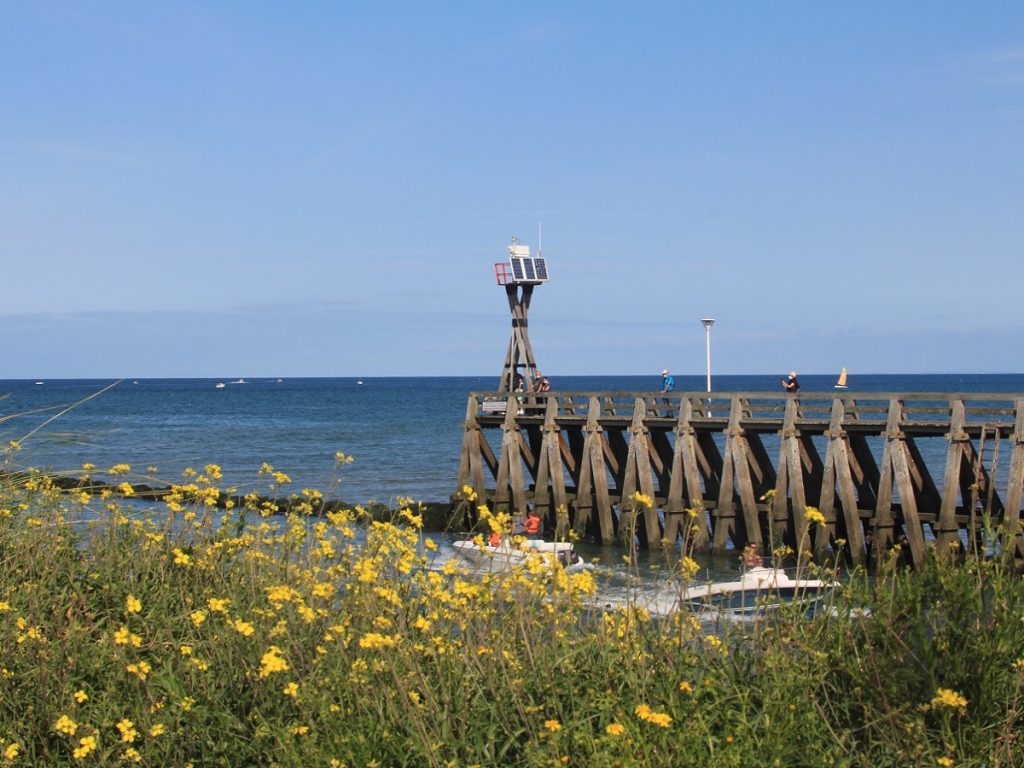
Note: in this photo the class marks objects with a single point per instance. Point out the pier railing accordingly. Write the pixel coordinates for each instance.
(884, 469)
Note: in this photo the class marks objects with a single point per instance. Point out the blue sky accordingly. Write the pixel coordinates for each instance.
(321, 189)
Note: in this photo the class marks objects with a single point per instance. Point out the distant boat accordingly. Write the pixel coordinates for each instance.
(219, 385)
(841, 384)
(240, 381)
(39, 382)
(360, 381)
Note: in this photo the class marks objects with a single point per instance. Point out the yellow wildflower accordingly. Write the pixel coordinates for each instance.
(813, 515)
(86, 745)
(373, 641)
(553, 725)
(80, 696)
(141, 670)
(218, 604)
(11, 752)
(615, 729)
(132, 604)
(944, 697)
(292, 689)
(272, 661)
(127, 729)
(244, 628)
(65, 725)
(157, 730)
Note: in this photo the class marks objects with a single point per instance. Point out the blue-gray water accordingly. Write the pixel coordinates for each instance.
(405, 433)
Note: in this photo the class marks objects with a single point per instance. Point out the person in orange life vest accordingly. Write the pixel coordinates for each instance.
(495, 539)
(531, 527)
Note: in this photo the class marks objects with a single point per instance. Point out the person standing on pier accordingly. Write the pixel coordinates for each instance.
(667, 382)
(791, 384)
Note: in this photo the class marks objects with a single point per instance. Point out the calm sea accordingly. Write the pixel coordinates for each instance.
(405, 433)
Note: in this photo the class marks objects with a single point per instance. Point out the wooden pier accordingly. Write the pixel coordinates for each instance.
(728, 469)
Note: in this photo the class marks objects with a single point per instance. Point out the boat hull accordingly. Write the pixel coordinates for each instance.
(505, 556)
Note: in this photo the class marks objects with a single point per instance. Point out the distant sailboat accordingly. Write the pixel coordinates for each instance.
(841, 384)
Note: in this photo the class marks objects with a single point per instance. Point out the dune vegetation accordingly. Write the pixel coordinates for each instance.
(180, 634)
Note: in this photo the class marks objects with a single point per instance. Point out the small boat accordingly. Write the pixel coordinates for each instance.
(759, 590)
(510, 555)
(359, 382)
(240, 381)
(219, 385)
(39, 382)
(841, 384)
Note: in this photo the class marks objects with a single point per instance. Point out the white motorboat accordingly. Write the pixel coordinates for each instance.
(219, 385)
(760, 589)
(511, 554)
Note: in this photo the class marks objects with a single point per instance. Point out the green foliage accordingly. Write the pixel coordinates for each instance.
(190, 636)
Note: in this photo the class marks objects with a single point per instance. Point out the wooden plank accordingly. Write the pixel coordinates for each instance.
(1012, 541)
(947, 529)
(837, 472)
(908, 502)
(883, 533)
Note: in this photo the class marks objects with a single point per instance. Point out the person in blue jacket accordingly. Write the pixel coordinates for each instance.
(667, 382)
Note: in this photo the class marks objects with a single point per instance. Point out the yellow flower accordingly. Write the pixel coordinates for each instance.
(86, 745)
(80, 696)
(945, 762)
(65, 725)
(292, 689)
(157, 730)
(615, 729)
(132, 604)
(648, 715)
(642, 500)
(944, 697)
(181, 558)
(127, 729)
(553, 725)
(218, 604)
(372, 641)
(117, 469)
(140, 670)
(685, 687)
(272, 661)
(126, 489)
(11, 753)
(244, 628)
(132, 754)
(813, 515)
(198, 617)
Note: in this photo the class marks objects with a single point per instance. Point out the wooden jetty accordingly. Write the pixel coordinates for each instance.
(727, 469)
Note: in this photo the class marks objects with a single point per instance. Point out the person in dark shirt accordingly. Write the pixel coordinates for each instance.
(791, 384)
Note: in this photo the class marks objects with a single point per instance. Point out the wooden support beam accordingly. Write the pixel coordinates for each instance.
(838, 474)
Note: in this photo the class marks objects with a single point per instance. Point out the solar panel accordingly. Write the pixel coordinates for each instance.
(530, 274)
(517, 269)
(542, 268)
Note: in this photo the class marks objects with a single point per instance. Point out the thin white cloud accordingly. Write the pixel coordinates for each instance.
(1004, 55)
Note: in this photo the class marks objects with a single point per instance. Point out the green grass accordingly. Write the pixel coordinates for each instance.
(192, 635)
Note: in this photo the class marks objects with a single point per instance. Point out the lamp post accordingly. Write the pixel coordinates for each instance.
(708, 322)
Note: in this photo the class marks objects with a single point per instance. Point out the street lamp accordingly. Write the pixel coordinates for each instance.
(708, 322)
